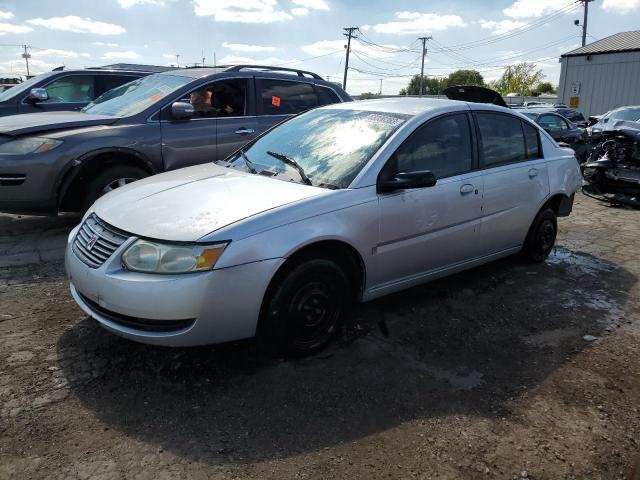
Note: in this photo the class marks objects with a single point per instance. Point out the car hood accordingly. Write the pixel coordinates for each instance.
(475, 94)
(41, 122)
(186, 204)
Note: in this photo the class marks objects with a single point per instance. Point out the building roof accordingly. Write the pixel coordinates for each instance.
(620, 42)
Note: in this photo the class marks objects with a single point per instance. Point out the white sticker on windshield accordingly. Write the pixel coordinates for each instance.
(165, 89)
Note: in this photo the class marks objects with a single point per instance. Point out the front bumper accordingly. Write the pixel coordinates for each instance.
(173, 310)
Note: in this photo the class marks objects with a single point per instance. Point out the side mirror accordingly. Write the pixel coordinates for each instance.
(182, 110)
(38, 95)
(405, 180)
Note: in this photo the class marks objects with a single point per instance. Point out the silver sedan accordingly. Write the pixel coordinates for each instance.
(341, 204)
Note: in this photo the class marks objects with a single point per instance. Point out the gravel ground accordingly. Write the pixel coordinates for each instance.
(506, 371)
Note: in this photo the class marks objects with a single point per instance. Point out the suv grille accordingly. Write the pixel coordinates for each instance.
(96, 241)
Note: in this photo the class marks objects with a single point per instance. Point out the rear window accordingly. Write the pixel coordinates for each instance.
(326, 96)
(501, 139)
(531, 141)
(281, 97)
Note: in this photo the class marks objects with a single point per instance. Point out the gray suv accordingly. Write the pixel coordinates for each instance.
(64, 161)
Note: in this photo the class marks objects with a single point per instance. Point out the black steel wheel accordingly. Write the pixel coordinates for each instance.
(306, 306)
(541, 237)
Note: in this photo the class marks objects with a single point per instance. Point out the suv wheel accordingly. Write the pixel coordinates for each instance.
(305, 309)
(541, 237)
(109, 180)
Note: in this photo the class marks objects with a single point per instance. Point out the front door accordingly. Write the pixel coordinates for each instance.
(222, 123)
(427, 229)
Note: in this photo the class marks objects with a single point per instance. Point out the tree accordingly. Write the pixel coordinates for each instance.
(431, 86)
(520, 78)
(366, 95)
(465, 77)
(545, 87)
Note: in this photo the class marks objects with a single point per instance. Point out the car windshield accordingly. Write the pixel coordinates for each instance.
(530, 115)
(22, 87)
(628, 114)
(331, 146)
(134, 97)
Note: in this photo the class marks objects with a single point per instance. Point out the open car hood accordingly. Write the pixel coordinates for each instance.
(473, 93)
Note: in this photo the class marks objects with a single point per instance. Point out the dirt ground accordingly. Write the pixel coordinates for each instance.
(506, 371)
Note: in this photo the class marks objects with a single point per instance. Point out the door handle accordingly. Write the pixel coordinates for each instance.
(533, 173)
(466, 189)
(244, 131)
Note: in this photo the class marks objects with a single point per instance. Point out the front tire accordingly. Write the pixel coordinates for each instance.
(306, 306)
(541, 237)
(110, 179)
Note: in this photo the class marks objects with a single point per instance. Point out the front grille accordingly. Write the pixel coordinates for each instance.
(96, 241)
(144, 324)
(12, 179)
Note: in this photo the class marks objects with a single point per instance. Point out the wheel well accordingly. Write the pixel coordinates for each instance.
(72, 186)
(555, 203)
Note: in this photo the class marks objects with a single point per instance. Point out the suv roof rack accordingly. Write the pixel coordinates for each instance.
(134, 67)
(301, 73)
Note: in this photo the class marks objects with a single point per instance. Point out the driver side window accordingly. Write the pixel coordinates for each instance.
(442, 146)
(219, 99)
(71, 89)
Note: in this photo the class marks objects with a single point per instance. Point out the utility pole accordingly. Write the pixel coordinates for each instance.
(26, 55)
(380, 87)
(203, 57)
(424, 53)
(349, 34)
(214, 59)
(584, 22)
(178, 60)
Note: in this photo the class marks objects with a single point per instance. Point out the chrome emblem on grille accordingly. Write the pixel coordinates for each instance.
(91, 243)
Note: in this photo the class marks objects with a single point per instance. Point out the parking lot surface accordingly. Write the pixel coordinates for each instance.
(506, 371)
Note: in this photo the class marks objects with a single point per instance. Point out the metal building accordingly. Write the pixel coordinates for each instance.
(602, 75)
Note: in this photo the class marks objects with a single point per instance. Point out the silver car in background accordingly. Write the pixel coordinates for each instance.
(341, 204)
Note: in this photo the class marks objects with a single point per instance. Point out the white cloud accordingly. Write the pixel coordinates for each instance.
(172, 56)
(35, 66)
(106, 44)
(247, 11)
(52, 52)
(328, 46)
(126, 55)
(9, 28)
(131, 3)
(300, 12)
(531, 8)
(312, 4)
(415, 23)
(241, 47)
(75, 24)
(6, 15)
(502, 26)
(236, 59)
(620, 6)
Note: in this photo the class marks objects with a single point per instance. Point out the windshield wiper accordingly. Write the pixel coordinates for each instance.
(290, 161)
(248, 162)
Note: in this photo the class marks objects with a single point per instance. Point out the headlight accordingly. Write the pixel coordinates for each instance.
(150, 257)
(25, 145)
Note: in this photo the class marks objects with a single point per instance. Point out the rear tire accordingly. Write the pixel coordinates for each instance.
(305, 307)
(108, 180)
(541, 237)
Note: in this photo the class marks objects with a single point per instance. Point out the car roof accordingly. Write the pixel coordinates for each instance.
(407, 105)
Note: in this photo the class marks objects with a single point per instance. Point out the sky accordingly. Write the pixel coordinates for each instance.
(307, 34)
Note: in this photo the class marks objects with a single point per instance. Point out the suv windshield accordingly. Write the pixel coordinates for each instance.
(133, 97)
(331, 146)
(22, 87)
(629, 114)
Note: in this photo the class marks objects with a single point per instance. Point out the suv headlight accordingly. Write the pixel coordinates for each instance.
(22, 146)
(151, 257)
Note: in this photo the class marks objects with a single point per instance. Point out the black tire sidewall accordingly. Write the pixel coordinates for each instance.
(277, 326)
(97, 184)
(532, 250)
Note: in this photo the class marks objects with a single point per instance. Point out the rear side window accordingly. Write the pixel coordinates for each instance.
(531, 140)
(501, 139)
(74, 88)
(326, 96)
(280, 97)
(442, 145)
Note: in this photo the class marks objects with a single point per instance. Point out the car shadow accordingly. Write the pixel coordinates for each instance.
(466, 344)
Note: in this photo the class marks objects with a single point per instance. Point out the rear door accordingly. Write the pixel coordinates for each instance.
(515, 179)
(426, 229)
(279, 99)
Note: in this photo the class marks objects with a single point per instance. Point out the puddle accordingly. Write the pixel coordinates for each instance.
(578, 263)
